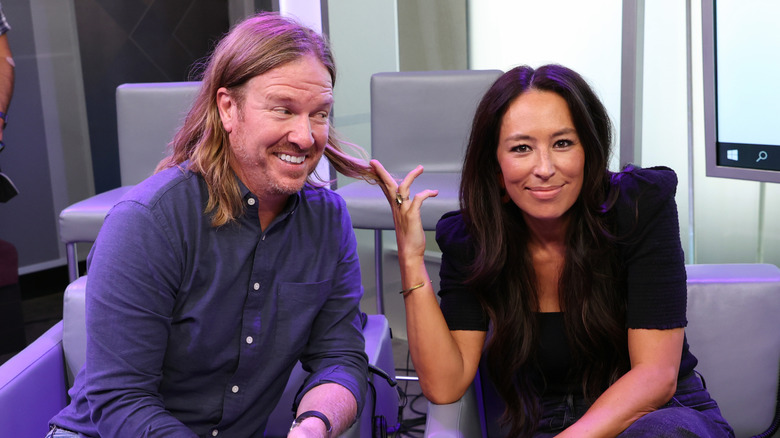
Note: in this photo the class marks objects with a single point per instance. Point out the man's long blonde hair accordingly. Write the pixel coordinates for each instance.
(253, 47)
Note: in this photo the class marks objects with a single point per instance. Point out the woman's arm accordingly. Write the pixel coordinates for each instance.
(446, 361)
(651, 382)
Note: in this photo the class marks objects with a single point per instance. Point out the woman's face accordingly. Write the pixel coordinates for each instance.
(540, 155)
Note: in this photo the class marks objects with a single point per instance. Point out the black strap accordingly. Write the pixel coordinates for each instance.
(309, 414)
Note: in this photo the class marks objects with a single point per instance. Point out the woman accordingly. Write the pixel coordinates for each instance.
(577, 271)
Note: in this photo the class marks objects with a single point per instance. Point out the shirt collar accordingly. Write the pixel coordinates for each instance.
(292, 201)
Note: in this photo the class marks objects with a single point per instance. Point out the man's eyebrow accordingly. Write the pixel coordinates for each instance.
(279, 97)
(286, 99)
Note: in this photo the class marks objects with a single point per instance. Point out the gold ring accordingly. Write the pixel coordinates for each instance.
(398, 199)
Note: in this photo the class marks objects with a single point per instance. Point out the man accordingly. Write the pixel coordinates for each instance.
(215, 275)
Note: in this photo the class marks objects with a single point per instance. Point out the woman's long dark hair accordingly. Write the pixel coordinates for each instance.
(503, 274)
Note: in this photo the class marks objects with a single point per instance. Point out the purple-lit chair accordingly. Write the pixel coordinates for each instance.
(34, 383)
(148, 116)
(734, 331)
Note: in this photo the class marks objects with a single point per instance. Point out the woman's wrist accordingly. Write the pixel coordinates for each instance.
(412, 263)
(409, 290)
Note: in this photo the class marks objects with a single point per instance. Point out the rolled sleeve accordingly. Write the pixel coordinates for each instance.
(459, 304)
(335, 352)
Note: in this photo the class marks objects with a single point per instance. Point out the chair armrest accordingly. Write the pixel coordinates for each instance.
(32, 386)
(454, 420)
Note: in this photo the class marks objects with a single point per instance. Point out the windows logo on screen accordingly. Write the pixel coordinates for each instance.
(732, 154)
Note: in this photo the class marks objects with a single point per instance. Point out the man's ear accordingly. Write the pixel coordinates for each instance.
(226, 105)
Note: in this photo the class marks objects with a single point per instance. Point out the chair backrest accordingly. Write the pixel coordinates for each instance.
(148, 115)
(425, 117)
(734, 332)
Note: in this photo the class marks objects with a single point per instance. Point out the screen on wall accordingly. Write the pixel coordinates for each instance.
(741, 42)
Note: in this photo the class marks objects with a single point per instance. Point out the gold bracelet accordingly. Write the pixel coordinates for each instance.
(406, 292)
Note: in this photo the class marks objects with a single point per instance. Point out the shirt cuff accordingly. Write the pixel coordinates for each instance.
(351, 379)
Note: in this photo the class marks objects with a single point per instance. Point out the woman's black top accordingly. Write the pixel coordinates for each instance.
(653, 265)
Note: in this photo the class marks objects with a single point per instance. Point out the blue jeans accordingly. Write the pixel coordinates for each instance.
(690, 413)
(56, 432)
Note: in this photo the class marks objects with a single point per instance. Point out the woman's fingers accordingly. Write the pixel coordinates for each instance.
(404, 187)
(406, 212)
(388, 184)
(410, 213)
(422, 196)
(399, 195)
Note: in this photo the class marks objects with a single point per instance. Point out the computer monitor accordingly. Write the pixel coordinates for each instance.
(741, 42)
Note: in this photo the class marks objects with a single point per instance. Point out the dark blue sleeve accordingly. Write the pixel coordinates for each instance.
(335, 352)
(129, 302)
(650, 248)
(460, 306)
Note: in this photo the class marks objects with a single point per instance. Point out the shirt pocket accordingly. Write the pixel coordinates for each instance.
(297, 306)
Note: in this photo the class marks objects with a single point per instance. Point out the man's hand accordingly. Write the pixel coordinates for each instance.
(332, 400)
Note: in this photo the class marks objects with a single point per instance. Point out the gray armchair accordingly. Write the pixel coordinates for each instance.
(734, 331)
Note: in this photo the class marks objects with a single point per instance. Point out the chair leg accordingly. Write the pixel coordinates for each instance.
(73, 261)
(380, 299)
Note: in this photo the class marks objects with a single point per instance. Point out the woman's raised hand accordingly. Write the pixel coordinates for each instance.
(406, 212)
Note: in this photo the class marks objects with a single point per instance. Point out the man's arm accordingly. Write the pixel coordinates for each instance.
(335, 402)
(128, 316)
(335, 353)
(6, 78)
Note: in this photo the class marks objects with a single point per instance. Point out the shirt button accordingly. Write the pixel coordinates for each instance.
(214, 432)
(234, 389)
(250, 201)
(249, 340)
(256, 286)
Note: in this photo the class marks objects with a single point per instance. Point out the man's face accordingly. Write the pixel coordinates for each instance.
(279, 131)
